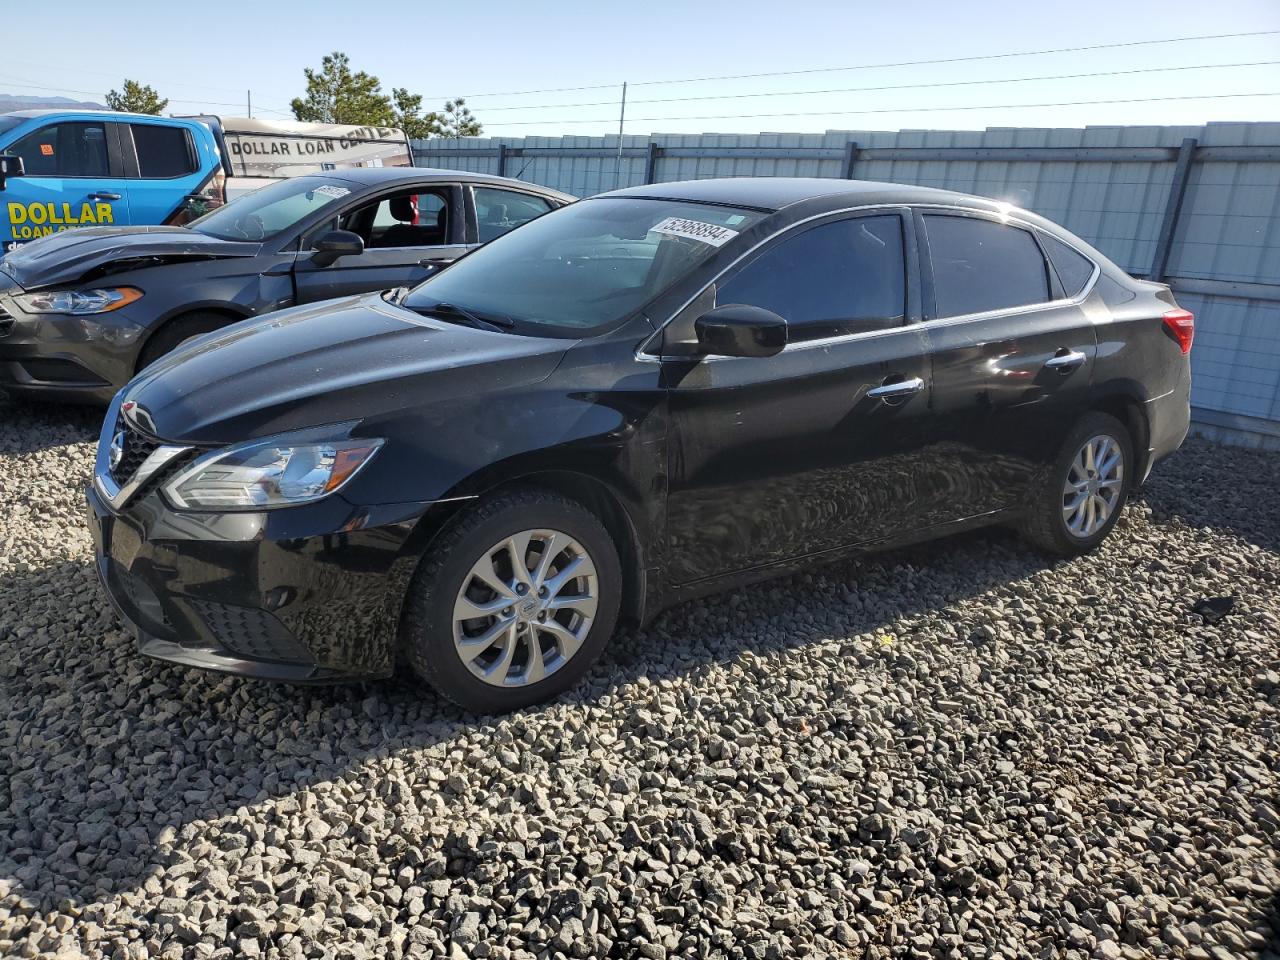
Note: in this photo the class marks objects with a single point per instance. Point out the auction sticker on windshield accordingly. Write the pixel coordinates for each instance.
(695, 230)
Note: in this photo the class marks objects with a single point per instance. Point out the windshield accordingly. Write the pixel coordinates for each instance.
(8, 123)
(584, 266)
(270, 210)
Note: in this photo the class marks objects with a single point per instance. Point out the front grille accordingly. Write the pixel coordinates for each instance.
(137, 447)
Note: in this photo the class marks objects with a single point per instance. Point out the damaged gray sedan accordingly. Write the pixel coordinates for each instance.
(84, 310)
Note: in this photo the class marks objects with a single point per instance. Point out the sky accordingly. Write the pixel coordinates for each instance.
(512, 60)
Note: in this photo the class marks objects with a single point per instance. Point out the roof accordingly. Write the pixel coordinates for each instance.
(371, 176)
(774, 193)
(64, 111)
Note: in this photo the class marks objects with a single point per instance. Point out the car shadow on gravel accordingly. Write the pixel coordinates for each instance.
(28, 427)
(1270, 926)
(137, 750)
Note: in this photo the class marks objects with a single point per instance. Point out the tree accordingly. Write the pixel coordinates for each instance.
(136, 98)
(409, 116)
(336, 95)
(456, 120)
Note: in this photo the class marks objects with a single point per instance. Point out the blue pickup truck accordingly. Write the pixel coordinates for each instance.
(83, 168)
(61, 169)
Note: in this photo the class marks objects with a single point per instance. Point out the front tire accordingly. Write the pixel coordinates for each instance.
(512, 604)
(1085, 490)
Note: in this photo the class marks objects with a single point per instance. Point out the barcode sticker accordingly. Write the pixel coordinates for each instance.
(696, 230)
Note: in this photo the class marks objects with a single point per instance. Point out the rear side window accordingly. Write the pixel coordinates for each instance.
(843, 277)
(499, 211)
(65, 150)
(163, 152)
(980, 265)
(1074, 269)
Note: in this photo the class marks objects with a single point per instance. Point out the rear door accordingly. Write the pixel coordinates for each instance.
(1013, 353)
(409, 234)
(823, 445)
(74, 177)
(166, 171)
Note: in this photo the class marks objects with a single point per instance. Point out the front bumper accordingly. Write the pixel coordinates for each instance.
(63, 358)
(304, 594)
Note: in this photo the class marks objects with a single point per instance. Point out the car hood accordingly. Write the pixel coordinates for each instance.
(358, 358)
(66, 257)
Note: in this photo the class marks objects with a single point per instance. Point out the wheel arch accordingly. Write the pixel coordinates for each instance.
(607, 505)
(1130, 411)
(221, 308)
(596, 495)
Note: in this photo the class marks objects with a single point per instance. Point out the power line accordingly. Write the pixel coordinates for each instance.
(899, 86)
(852, 113)
(878, 66)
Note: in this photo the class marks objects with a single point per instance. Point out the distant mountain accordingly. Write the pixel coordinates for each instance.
(10, 102)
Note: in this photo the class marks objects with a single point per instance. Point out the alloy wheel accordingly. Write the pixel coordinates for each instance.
(525, 608)
(1094, 482)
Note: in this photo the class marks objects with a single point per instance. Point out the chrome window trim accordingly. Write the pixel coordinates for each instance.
(993, 215)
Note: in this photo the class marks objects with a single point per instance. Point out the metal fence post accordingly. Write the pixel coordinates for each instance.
(850, 158)
(502, 159)
(651, 163)
(1172, 208)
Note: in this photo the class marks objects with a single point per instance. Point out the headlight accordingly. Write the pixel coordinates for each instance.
(267, 474)
(78, 303)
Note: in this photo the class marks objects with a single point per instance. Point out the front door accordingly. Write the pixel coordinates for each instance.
(74, 178)
(823, 445)
(1013, 353)
(408, 237)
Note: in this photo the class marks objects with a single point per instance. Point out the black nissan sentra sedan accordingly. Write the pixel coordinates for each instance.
(634, 400)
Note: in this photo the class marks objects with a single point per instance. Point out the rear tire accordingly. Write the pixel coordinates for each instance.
(1084, 492)
(536, 631)
(177, 332)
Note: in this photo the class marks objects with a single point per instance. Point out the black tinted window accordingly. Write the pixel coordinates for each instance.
(841, 277)
(163, 152)
(65, 150)
(1074, 269)
(979, 265)
(499, 211)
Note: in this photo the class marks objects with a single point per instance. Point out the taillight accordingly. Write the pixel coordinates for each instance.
(1182, 324)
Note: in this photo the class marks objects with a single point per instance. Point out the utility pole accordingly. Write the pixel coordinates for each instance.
(622, 119)
(248, 96)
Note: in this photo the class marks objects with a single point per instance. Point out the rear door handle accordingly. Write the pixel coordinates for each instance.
(1065, 362)
(104, 196)
(896, 390)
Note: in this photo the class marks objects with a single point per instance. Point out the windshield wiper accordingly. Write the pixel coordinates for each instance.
(496, 323)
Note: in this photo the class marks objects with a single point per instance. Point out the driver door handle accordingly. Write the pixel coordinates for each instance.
(104, 196)
(896, 390)
(1065, 362)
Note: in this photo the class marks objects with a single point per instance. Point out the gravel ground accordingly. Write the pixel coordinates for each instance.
(960, 750)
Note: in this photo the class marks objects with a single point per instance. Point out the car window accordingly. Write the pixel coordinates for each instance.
(163, 152)
(404, 219)
(272, 209)
(586, 266)
(837, 278)
(65, 150)
(1074, 268)
(498, 211)
(981, 265)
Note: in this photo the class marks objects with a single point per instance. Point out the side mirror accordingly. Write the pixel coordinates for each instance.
(737, 330)
(10, 166)
(334, 244)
